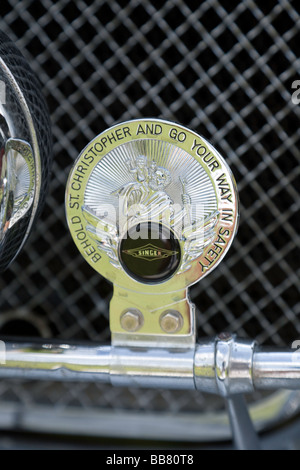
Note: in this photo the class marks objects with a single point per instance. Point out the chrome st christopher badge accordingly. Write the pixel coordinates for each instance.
(152, 207)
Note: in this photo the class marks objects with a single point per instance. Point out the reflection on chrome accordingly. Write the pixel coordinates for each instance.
(25, 150)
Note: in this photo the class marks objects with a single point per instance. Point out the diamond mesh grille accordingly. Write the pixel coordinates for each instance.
(222, 67)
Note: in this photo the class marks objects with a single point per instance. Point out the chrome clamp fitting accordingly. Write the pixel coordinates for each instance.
(224, 365)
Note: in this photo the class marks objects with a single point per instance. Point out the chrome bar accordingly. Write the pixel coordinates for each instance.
(138, 367)
(225, 365)
(152, 367)
(276, 369)
(45, 361)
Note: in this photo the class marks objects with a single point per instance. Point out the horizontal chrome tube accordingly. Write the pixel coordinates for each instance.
(55, 362)
(276, 369)
(153, 368)
(223, 366)
(120, 366)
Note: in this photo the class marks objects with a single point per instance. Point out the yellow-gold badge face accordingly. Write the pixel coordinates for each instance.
(153, 207)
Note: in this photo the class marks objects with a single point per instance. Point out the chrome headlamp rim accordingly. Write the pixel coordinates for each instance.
(12, 82)
(26, 137)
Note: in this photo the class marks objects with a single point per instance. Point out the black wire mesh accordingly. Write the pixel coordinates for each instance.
(222, 67)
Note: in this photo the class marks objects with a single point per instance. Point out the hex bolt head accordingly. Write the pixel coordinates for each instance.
(171, 321)
(132, 320)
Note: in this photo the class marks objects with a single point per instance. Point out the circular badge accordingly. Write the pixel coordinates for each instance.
(151, 203)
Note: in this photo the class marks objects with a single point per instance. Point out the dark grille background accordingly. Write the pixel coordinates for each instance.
(224, 68)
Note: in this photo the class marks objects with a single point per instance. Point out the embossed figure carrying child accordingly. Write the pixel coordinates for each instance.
(145, 197)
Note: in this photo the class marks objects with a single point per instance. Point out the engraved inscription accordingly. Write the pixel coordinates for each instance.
(224, 188)
(216, 249)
